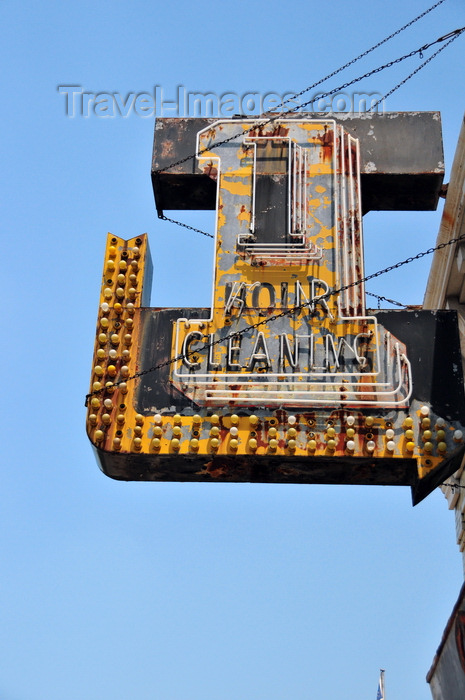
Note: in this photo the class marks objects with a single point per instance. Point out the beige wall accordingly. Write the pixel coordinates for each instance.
(446, 290)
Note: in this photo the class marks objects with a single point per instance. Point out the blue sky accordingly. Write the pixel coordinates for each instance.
(114, 591)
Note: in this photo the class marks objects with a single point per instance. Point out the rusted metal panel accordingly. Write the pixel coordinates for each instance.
(402, 163)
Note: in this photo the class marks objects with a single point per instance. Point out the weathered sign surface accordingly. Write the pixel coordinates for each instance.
(286, 377)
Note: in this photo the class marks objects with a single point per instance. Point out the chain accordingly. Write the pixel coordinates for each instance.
(389, 301)
(282, 115)
(453, 486)
(179, 223)
(362, 55)
(285, 312)
(454, 35)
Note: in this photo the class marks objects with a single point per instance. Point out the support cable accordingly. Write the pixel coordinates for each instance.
(451, 36)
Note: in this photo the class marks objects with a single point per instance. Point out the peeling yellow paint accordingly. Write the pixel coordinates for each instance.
(239, 188)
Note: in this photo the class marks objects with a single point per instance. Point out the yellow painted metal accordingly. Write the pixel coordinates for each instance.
(113, 423)
(291, 428)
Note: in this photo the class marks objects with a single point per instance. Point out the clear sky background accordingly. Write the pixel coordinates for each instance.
(115, 591)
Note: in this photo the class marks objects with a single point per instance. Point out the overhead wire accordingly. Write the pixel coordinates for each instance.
(450, 37)
(280, 115)
(362, 55)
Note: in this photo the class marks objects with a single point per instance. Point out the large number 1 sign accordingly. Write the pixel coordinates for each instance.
(289, 244)
(286, 377)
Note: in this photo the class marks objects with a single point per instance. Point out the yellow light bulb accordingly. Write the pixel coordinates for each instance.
(137, 442)
(311, 445)
(253, 444)
(234, 419)
(155, 444)
(273, 444)
(215, 431)
(292, 432)
(111, 369)
(292, 444)
(194, 444)
(214, 442)
(99, 435)
(233, 444)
